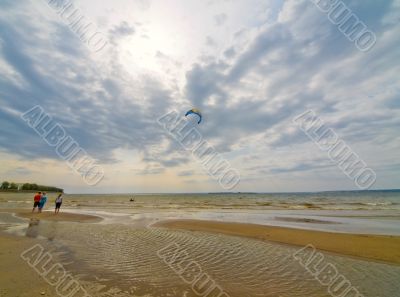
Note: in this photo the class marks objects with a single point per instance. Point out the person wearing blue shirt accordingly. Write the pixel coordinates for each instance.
(42, 201)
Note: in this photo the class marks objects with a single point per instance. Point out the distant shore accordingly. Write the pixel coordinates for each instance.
(28, 191)
(373, 247)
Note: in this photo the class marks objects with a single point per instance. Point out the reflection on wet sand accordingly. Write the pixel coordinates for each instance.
(304, 220)
(118, 256)
(122, 260)
(33, 228)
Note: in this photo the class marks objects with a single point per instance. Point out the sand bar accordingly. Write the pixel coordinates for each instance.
(50, 216)
(62, 216)
(375, 247)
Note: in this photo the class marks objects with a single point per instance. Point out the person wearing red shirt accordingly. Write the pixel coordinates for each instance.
(36, 200)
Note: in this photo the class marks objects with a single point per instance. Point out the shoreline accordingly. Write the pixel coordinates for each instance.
(381, 248)
(371, 248)
(384, 248)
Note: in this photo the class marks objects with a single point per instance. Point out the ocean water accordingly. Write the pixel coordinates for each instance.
(369, 212)
(342, 200)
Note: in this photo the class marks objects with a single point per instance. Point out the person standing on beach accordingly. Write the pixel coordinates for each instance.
(58, 203)
(36, 200)
(42, 201)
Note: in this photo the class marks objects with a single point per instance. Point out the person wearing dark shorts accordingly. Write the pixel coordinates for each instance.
(36, 200)
(58, 203)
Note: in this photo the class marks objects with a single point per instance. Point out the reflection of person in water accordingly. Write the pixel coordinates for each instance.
(33, 227)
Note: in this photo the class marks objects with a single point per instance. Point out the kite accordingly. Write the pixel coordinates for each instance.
(196, 112)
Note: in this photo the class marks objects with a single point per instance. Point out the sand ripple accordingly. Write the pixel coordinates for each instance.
(122, 261)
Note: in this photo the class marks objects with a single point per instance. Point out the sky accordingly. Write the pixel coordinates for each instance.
(250, 66)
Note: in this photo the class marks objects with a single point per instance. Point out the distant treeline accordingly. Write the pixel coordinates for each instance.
(7, 186)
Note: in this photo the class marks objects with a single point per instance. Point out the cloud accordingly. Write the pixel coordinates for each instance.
(149, 170)
(300, 62)
(124, 29)
(230, 52)
(20, 171)
(248, 85)
(210, 41)
(220, 19)
(100, 111)
(186, 173)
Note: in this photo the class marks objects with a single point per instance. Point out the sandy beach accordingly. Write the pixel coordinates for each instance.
(373, 247)
(22, 280)
(113, 250)
(16, 277)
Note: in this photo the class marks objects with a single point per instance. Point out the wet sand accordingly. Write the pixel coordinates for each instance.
(303, 220)
(374, 247)
(17, 278)
(123, 248)
(61, 216)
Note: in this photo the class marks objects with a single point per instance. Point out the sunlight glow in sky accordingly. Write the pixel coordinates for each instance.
(249, 66)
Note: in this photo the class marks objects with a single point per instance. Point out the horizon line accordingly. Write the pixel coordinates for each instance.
(238, 192)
